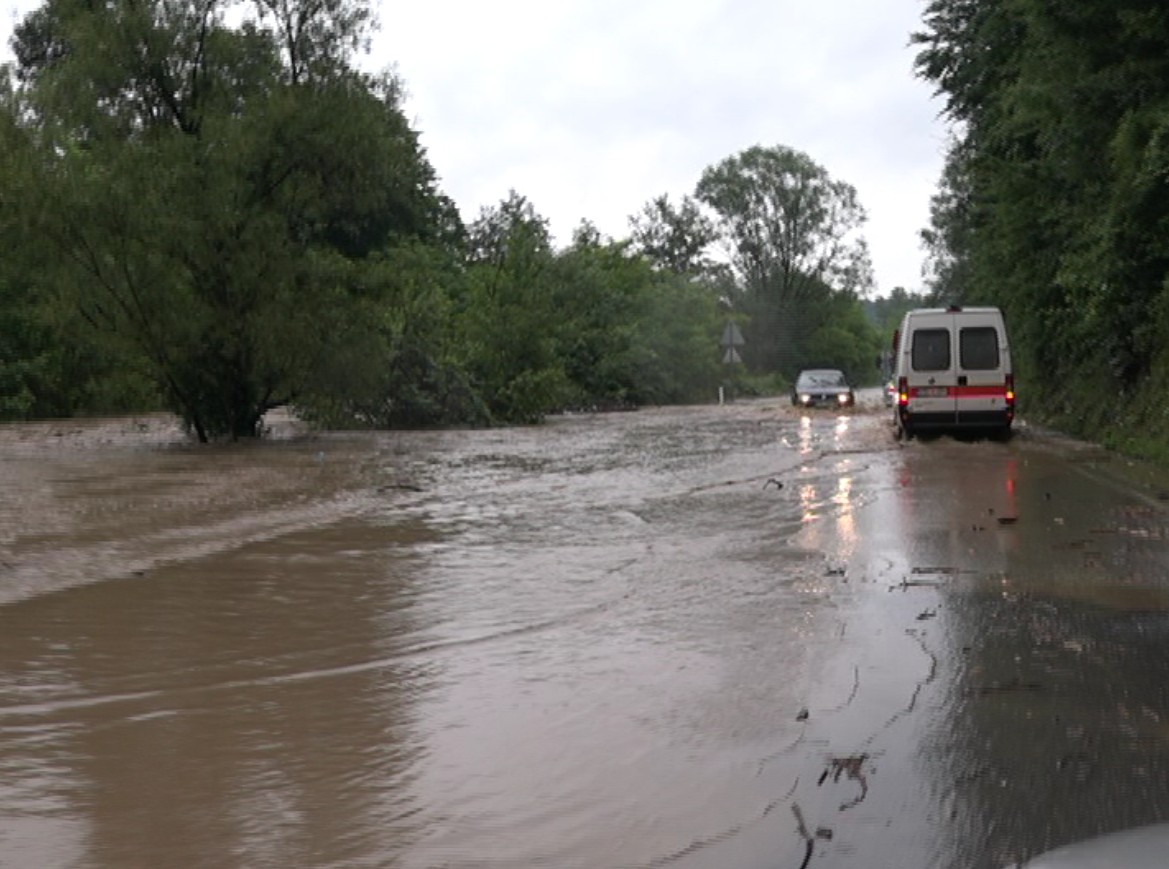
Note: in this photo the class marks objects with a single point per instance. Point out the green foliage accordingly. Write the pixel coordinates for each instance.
(791, 233)
(51, 363)
(596, 289)
(50, 367)
(594, 325)
(766, 385)
(885, 315)
(886, 312)
(394, 362)
(675, 353)
(508, 324)
(209, 201)
(788, 226)
(225, 218)
(674, 239)
(631, 333)
(1055, 201)
(839, 335)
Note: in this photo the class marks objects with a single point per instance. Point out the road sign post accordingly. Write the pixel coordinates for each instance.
(731, 341)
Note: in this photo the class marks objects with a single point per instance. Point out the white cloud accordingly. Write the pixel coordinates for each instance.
(590, 109)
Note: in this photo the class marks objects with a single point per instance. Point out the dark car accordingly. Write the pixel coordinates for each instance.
(822, 387)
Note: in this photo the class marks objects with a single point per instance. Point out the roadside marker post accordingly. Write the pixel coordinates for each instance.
(731, 341)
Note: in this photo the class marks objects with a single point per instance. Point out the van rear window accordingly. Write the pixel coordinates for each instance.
(931, 350)
(978, 348)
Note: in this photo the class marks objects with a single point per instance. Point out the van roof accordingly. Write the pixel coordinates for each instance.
(958, 309)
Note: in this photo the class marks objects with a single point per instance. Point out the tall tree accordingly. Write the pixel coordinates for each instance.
(792, 234)
(788, 225)
(208, 194)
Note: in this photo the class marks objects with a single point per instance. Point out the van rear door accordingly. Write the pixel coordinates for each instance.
(931, 377)
(982, 362)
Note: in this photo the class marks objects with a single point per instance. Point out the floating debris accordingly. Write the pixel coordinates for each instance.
(853, 768)
(809, 842)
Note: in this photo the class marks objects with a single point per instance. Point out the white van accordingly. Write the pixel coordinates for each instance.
(952, 370)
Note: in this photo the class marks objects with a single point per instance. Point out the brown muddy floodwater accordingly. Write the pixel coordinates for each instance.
(698, 637)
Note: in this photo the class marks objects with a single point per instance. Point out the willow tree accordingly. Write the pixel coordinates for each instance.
(207, 194)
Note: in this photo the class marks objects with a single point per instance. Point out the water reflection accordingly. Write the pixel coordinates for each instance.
(806, 443)
(1053, 696)
(256, 704)
(840, 431)
(845, 518)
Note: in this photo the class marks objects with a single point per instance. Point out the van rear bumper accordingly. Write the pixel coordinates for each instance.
(996, 419)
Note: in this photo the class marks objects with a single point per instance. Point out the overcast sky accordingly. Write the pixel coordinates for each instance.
(590, 108)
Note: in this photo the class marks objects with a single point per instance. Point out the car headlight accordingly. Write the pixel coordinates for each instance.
(805, 398)
(842, 398)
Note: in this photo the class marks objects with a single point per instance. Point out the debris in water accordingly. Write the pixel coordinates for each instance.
(809, 842)
(853, 768)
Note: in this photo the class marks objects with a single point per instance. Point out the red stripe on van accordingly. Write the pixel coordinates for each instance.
(979, 391)
(958, 391)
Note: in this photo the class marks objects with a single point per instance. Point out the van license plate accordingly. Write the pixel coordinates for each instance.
(932, 392)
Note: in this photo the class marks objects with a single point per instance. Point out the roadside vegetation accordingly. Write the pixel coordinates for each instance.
(207, 208)
(1054, 203)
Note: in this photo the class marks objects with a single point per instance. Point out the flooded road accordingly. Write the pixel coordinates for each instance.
(696, 637)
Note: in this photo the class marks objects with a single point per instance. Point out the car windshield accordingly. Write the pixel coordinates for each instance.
(814, 379)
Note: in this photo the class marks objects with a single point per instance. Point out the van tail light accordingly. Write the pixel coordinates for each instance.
(1010, 395)
(903, 392)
